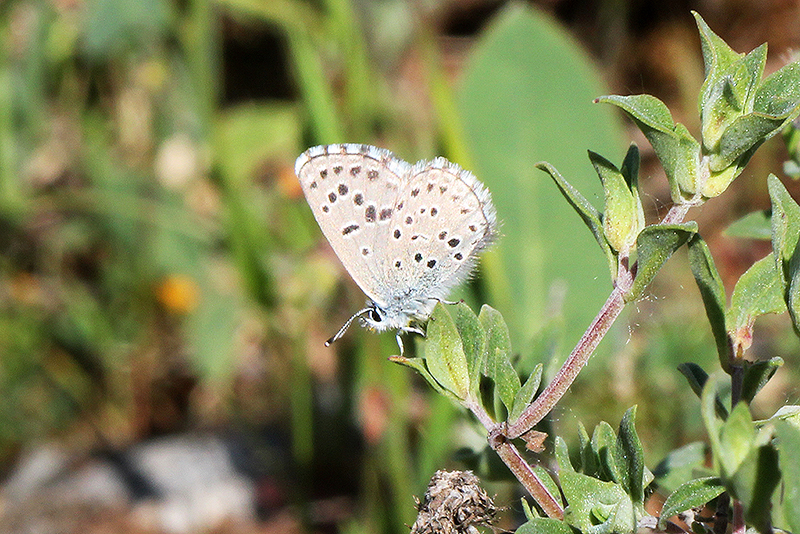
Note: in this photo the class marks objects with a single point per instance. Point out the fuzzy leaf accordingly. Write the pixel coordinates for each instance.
(758, 292)
(444, 353)
(694, 493)
(526, 393)
(497, 351)
(713, 294)
(621, 221)
(630, 458)
(655, 245)
(785, 236)
(473, 339)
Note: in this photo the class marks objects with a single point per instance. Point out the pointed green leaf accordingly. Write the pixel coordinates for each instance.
(589, 459)
(444, 353)
(736, 437)
(755, 225)
(526, 393)
(755, 482)
(743, 135)
(717, 55)
(473, 339)
(779, 94)
(604, 444)
(757, 375)
(785, 236)
(621, 217)
(674, 146)
(497, 350)
(692, 494)
(759, 291)
(630, 457)
(655, 245)
(588, 213)
(713, 293)
(788, 445)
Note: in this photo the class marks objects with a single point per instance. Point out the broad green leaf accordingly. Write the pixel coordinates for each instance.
(587, 212)
(444, 353)
(695, 493)
(788, 444)
(785, 236)
(755, 225)
(473, 339)
(757, 375)
(630, 457)
(497, 359)
(758, 292)
(654, 246)
(527, 87)
(645, 109)
(591, 502)
(713, 294)
(526, 393)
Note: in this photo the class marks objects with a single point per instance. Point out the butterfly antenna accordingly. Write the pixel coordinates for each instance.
(346, 325)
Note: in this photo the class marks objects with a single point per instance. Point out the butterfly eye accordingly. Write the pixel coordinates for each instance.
(375, 316)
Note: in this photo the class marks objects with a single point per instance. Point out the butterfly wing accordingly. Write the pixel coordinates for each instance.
(442, 220)
(352, 191)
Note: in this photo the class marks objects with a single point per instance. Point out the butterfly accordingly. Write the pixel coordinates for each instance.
(406, 234)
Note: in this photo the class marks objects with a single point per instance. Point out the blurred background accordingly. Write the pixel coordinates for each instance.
(165, 291)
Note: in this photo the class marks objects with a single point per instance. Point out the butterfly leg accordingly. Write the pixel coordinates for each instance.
(400, 342)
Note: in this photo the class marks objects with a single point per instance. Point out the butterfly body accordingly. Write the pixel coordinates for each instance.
(407, 234)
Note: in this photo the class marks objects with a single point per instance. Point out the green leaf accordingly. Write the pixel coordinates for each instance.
(788, 444)
(757, 375)
(544, 525)
(418, 364)
(674, 146)
(526, 393)
(755, 225)
(717, 56)
(655, 245)
(736, 437)
(680, 465)
(785, 236)
(755, 482)
(758, 292)
(444, 353)
(779, 94)
(497, 356)
(731, 96)
(588, 213)
(589, 459)
(604, 444)
(744, 135)
(695, 493)
(473, 339)
(713, 294)
(621, 218)
(630, 457)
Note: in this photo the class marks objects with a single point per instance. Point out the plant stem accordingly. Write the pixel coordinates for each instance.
(541, 406)
(517, 464)
(557, 387)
